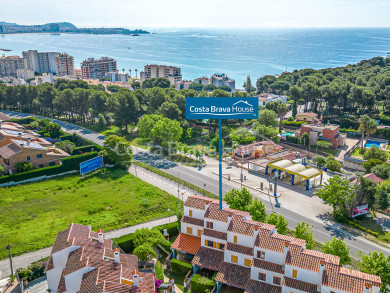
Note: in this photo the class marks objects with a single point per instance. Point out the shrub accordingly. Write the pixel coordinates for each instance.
(23, 121)
(87, 149)
(292, 139)
(173, 229)
(201, 284)
(126, 243)
(158, 271)
(294, 123)
(180, 267)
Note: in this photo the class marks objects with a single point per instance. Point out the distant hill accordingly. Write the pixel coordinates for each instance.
(7, 23)
(62, 25)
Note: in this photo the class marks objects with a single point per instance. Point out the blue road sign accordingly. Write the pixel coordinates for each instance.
(222, 108)
(91, 165)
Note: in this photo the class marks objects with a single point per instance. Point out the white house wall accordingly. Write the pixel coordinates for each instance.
(198, 214)
(271, 256)
(194, 228)
(217, 225)
(73, 280)
(244, 240)
(241, 257)
(269, 275)
(303, 275)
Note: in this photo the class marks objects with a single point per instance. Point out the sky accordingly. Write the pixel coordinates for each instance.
(200, 13)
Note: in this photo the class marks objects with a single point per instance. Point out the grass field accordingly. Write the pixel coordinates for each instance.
(358, 152)
(32, 214)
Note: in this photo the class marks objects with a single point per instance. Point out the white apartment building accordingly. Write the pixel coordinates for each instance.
(117, 76)
(170, 72)
(253, 257)
(203, 80)
(24, 74)
(265, 98)
(40, 61)
(83, 261)
(220, 79)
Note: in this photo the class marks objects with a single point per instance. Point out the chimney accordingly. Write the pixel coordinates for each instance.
(101, 236)
(135, 278)
(28, 140)
(117, 254)
(367, 288)
(320, 273)
(256, 231)
(286, 249)
(230, 216)
(20, 135)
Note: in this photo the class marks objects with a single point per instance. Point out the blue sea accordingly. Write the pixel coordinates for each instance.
(202, 52)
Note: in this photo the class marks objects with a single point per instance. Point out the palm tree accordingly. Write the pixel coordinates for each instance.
(368, 126)
(136, 71)
(130, 73)
(282, 111)
(123, 70)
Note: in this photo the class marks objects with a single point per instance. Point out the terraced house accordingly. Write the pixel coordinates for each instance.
(83, 261)
(253, 257)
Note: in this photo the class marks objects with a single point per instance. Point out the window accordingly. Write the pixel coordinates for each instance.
(247, 262)
(234, 259)
(189, 230)
(39, 156)
(209, 225)
(209, 243)
(235, 239)
(294, 274)
(40, 166)
(277, 280)
(28, 158)
(261, 254)
(221, 246)
(190, 213)
(262, 276)
(52, 163)
(199, 232)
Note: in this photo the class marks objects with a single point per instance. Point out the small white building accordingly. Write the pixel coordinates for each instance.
(265, 98)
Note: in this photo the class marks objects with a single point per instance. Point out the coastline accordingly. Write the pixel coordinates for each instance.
(70, 33)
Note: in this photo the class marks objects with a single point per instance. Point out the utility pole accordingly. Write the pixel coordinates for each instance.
(10, 258)
(242, 164)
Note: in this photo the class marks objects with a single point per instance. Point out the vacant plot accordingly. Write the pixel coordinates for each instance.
(32, 214)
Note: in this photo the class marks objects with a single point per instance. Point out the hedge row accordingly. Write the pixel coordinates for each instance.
(292, 139)
(87, 149)
(201, 284)
(68, 164)
(356, 225)
(177, 180)
(126, 242)
(294, 123)
(23, 121)
(180, 267)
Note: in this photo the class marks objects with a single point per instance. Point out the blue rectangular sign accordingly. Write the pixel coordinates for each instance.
(91, 165)
(222, 108)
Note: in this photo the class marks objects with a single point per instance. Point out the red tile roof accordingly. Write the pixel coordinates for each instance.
(269, 266)
(256, 287)
(309, 114)
(299, 285)
(215, 234)
(233, 275)
(192, 221)
(187, 243)
(208, 258)
(275, 242)
(237, 225)
(9, 150)
(239, 248)
(304, 261)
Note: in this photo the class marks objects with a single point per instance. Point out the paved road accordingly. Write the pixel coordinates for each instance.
(26, 259)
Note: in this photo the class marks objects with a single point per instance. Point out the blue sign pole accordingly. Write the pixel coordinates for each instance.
(220, 163)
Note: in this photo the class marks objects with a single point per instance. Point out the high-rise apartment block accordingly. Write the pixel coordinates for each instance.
(64, 64)
(97, 68)
(170, 72)
(40, 61)
(24, 74)
(9, 65)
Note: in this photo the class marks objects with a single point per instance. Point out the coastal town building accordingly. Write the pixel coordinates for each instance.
(329, 133)
(24, 74)
(252, 256)
(83, 261)
(9, 65)
(64, 64)
(203, 80)
(40, 61)
(117, 76)
(265, 98)
(44, 78)
(97, 68)
(309, 117)
(220, 79)
(173, 74)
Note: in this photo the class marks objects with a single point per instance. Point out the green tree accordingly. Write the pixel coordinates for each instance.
(170, 110)
(215, 143)
(155, 97)
(376, 153)
(125, 108)
(279, 221)
(339, 194)
(305, 139)
(239, 200)
(382, 170)
(365, 192)
(159, 129)
(324, 144)
(220, 93)
(332, 164)
(338, 247)
(159, 82)
(370, 164)
(225, 88)
(320, 160)
(2, 170)
(368, 127)
(257, 211)
(242, 136)
(248, 85)
(150, 237)
(305, 232)
(263, 132)
(294, 109)
(209, 87)
(196, 86)
(118, 150)
(282, 111)
(144, 252)
(268, 117)
(66, 146)
(101, 122)
(376, 263)
(382, 201)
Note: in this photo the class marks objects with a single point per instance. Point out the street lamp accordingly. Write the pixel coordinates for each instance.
(277, 204)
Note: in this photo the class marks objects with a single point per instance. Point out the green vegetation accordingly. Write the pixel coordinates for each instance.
(118, 150)
(338, 247)
(377, 263)
(304, 231)
(358, 152)
(201, 284)
(332, 164)
(31, 220)
(178, 266)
